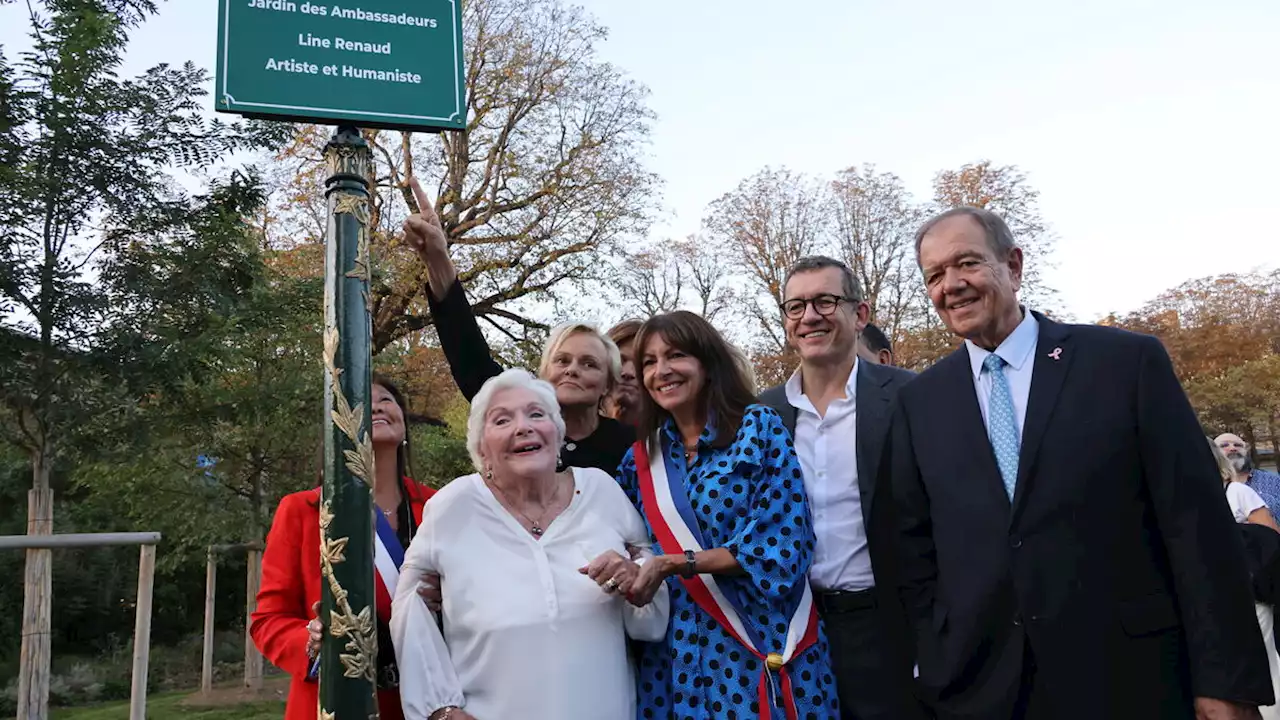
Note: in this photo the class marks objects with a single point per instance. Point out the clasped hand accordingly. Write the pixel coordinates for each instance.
(315, 631)
(614, 574)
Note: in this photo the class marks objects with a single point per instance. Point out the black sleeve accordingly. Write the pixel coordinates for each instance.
(470, 360)
(1205, 550)
(917, 561)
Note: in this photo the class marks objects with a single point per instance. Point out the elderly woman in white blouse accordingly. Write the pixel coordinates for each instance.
(534, 568)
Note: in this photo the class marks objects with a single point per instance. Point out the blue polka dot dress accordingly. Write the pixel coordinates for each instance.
(748, 498)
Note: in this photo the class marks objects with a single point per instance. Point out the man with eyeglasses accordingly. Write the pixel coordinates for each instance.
(837, 409)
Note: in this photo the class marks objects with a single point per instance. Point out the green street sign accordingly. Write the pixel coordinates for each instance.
(373, 63)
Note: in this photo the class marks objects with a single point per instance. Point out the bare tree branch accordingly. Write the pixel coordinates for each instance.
(771, 220)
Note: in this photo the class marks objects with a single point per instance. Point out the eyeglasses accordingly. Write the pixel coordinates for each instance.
(824, 305)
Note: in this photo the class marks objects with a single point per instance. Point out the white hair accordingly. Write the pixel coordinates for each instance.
(613, 357)
(514, 378)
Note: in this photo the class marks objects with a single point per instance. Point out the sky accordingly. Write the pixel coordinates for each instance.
(1149, 128)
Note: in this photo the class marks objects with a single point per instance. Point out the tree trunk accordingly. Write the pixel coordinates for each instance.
(33, 673)
(252, 658)
(210, 589)
(253, 576)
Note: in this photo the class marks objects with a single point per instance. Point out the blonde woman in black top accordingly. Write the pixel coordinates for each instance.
(582, 363)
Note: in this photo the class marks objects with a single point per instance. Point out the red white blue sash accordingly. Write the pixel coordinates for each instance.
(667, 508)
(388, 556)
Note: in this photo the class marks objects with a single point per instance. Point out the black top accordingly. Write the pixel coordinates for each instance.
(602, 449)
(471, 363)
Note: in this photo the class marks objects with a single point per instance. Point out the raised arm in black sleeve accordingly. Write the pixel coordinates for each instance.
(470, 360)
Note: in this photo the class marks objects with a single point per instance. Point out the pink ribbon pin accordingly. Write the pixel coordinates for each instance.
(1056, 354)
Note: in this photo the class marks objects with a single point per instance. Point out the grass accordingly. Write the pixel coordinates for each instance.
(163, 706)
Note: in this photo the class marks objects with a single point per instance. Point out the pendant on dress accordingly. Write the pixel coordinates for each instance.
(537, 531)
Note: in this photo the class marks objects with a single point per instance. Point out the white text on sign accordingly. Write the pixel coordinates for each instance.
(347, 13)
(309, 40)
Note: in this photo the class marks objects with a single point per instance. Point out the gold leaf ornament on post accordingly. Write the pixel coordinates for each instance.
(357, 628)
(360, 462)
(349, 649)
(344, 622)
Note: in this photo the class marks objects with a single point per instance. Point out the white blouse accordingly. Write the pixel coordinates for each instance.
(525, 634)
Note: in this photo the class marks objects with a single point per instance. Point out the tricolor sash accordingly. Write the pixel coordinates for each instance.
(388, 556)
(667, 508)
(388, 553)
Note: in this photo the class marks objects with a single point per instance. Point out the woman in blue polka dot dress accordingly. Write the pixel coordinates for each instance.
(718, 481)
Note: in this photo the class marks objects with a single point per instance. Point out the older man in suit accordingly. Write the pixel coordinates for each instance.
(1066, 550)
(837, 408)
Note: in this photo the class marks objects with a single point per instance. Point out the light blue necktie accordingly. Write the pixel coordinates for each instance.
(1002, 424)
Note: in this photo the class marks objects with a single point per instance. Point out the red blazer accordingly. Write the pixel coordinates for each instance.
(291, 585)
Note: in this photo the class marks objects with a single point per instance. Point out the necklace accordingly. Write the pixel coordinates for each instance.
(388, 513)
(535, 526)
(690, 454)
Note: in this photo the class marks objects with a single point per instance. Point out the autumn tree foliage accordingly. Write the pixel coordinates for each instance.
(1223, 333)
(763, 226)
(536, 193)
(1006, 190)
(866, 217)
(874, 221)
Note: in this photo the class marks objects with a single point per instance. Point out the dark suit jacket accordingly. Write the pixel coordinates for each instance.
(877, 387)
(1117, 561)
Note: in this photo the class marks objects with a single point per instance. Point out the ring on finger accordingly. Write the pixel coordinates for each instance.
(611, 585)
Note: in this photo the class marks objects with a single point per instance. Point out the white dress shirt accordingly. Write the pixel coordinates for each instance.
(828, 451)
(526, 635)
(1018, 352)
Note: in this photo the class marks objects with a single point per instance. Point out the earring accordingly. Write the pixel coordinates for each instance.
(405, 442)
(488, 474)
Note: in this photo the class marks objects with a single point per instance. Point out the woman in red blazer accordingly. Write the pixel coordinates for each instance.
(284, 626)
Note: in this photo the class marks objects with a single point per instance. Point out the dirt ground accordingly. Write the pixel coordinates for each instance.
(273, 688)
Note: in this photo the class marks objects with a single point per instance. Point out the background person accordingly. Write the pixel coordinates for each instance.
(1263, 482)
(623, 404)
(1248, 508)
(874, 346)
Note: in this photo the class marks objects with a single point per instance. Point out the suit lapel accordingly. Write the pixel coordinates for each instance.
(1051, 362)
(776, 398)
(872, 426)
(962, 399)
(789, 414)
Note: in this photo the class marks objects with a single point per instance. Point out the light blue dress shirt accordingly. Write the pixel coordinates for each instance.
(1018, 351)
